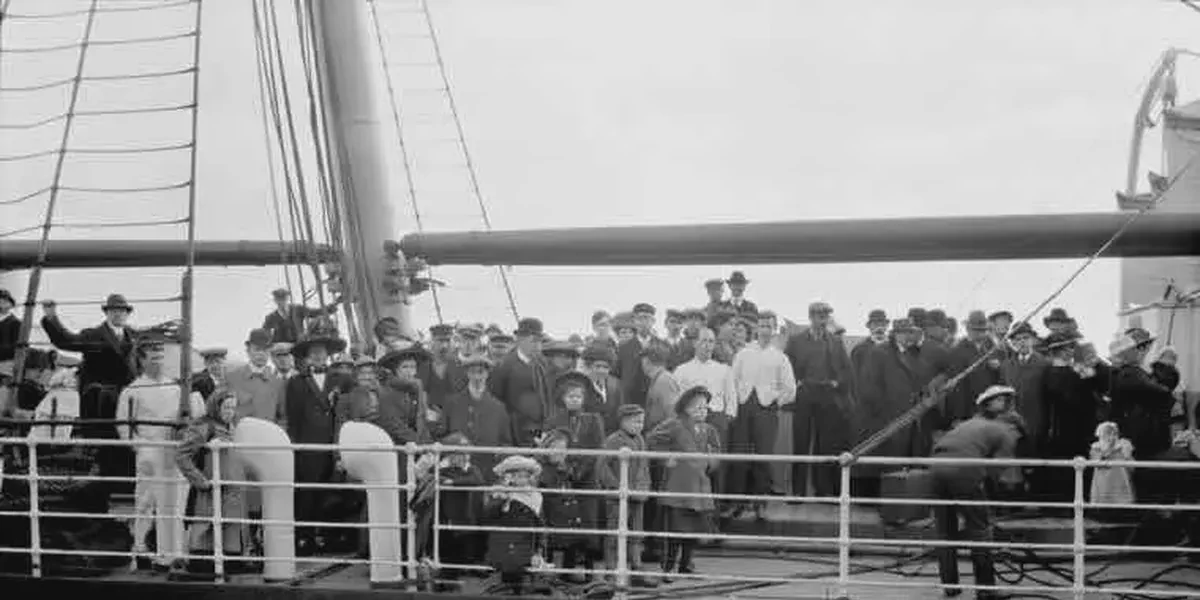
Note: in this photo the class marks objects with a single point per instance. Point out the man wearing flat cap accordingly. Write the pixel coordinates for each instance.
(109, 364)
(286, 322)
(605, 395)
(212, 376)
(681, 349)
(470, 341)
(441, 376)
(634, 382)
(960, 402)
(522, 382)
(283, 360)
(478, 415)
(602, 331)
(715, 288)
(824, 380)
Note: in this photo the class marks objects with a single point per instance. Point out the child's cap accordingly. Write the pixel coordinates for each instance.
(630, 410)
(514, 464)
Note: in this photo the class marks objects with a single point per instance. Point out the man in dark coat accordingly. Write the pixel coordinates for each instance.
(680, 350)
(521, 381)
(634, 383)
(960, 402)
(1072, 395)
(311, 419)
(823, 412)
(716, 291)
(109, 364)
(737, 283)
(894, 376)
(1025, 371)
(286, 322)
(479, 416)
(10, 335)
(441, 376)
(877, 324)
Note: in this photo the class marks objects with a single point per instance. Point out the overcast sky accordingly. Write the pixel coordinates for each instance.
(594, 112)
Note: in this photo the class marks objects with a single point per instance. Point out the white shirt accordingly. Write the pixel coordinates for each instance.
(715, 376)
(152, 399)
(766, 371)
(320, 379)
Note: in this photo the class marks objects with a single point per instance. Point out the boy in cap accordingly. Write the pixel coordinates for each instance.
(632, 419)
(282, 359)
(441, 376)
(212, 376)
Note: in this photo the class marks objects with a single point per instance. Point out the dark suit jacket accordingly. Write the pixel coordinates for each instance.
(607, 406)
(106, 361)
(289, 329)
(515, 384)
(634, 383)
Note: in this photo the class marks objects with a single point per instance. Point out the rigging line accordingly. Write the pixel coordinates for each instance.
(139, 150)
(4, 4)
(126, 42)
(96, 113)
(56, 83)
(399, 127)
(342, 190)
(100, 10)
(187, 283)
(296, 195)
(26, 197)
(35, 275)
(338, 193)
(276, 211)
(268, 85)
(128, 190)
(330, 215)
(96, 225)
(472, 174)
(273, 33)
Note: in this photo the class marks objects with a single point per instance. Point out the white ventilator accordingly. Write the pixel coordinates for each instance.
(263, 450)
(376, 468)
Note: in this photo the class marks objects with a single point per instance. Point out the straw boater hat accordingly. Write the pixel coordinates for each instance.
(994, 391)
(517, 463)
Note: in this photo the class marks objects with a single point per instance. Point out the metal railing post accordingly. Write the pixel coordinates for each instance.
(1079, 543)
(218, 533)
(844, 462)
(437, 505)
(35, 512)
(623, 524)
(410, 487)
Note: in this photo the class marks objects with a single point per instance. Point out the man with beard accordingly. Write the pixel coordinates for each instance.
(442, 375)
(877, 324)
(824, 378)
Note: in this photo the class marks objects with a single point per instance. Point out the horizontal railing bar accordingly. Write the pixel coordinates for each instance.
(654, 454)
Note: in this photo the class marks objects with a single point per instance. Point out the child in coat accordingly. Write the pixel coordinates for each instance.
(1111, 485)
(455, 507)
(513, 554)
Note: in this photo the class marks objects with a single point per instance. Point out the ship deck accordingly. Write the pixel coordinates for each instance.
(793, 570)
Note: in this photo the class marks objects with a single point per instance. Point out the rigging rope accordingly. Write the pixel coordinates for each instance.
(462, 138)
(69, 118)
(399, 127)
(928, 402)
(187, 284)
(35, 275)
(276, 211)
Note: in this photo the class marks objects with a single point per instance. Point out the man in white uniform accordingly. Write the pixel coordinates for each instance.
(160, 491)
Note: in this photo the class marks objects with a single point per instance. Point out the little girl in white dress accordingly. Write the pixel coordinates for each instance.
(1111, 485)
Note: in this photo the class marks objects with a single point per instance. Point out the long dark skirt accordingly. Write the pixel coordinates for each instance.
(687, 520)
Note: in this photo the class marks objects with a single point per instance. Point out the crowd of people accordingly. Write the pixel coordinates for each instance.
(724, 377)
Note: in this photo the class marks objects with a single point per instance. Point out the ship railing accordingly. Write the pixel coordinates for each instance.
(1081, 583)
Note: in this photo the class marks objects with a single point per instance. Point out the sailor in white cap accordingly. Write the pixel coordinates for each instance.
(989, 434)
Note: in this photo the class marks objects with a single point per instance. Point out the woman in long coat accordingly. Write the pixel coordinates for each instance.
(195, 461)
(687, 432)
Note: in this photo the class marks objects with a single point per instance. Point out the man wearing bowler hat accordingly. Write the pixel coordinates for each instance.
(737, 283)
(521, 381)
(258, 387)
(109, 364)
(877, 325)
